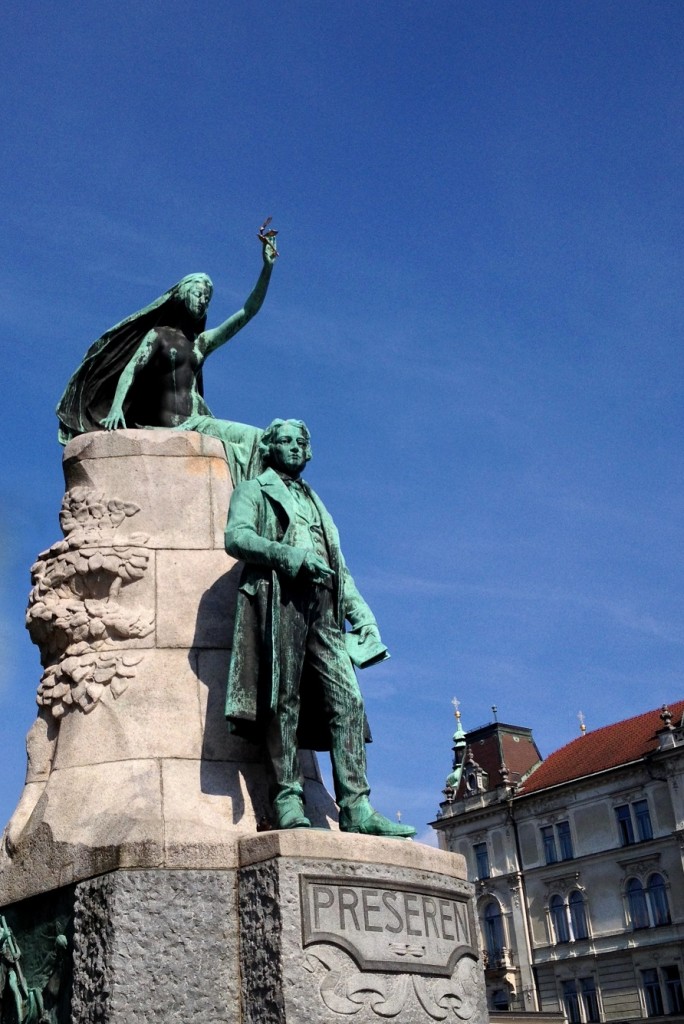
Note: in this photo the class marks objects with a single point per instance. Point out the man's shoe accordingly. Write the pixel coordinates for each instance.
(377, 825)
(291, 815)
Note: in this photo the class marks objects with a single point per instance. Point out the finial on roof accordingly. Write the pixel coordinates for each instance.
(583, 728)
(459, 734)
(494, 711)
(666, 716)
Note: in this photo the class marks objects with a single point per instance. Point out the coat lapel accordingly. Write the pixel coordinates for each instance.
(274, 488)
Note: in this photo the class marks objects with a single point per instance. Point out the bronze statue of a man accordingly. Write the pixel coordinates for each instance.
(291, 679)
(147, 370)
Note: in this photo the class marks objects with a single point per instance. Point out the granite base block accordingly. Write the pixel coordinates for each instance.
(156, 947)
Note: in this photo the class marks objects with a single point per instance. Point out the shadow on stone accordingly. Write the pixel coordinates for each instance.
(229, 763)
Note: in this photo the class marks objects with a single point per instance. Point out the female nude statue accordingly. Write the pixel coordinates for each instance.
(147, 370)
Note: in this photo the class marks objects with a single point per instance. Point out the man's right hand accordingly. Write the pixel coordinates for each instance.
(316, 569)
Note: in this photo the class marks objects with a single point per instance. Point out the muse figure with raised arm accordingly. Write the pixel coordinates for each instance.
(147, 370)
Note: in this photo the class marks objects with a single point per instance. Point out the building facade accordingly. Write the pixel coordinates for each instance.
(578, 862)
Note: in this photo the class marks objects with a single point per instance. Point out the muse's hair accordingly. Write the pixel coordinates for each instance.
(269, 436)
(190, 279)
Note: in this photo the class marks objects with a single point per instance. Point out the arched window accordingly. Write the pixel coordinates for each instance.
(493, 929)
(559, 919)
(657, 900)
(636, 900)
(578, 915)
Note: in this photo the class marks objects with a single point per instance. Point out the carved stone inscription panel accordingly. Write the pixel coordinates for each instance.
(397, 929)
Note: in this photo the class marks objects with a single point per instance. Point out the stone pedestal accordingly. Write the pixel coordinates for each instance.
(333, 925)
(135, 846)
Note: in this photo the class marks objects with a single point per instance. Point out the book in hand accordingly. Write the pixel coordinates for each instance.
(370, 652)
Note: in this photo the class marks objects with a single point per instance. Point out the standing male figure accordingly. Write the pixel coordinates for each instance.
(290, 676)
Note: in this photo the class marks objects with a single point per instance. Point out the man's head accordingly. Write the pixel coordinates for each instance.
(196, 290)
(286, 446)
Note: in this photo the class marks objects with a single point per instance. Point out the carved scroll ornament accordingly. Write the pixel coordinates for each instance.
(344, 989)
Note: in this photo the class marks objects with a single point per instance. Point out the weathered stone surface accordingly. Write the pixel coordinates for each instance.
(106, 444)
(196, 593)
(177, 516)
(218, 743)
(204, 806)
(156, 946)
(347, 846)
(221, 489)
(86, 820)
(157, 717)
(41, 742)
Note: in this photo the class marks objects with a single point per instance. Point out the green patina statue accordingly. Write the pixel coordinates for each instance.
(290, 651)
(34, 1001)
(147, 370)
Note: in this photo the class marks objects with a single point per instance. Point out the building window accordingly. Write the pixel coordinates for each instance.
(557, 840)
(571, 1001)
(648, 908)
(549, 841)
(493, 929)
(559, 919)
(643, 820)
(578, 916)
(659, 982)
(625, 827)
(652, 994)
(580, 1000)
(589, 999)
(481, 860)
(657, 900)
(568, 920)
(674, 999)
(634, 822)
(636, 900)
(564, 840)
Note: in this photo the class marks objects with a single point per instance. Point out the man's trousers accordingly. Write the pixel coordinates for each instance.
(310, 636)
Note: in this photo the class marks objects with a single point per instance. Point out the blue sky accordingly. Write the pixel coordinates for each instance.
(476, 311)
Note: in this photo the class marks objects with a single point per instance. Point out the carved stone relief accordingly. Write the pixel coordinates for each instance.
(346, 990)
(74, 615)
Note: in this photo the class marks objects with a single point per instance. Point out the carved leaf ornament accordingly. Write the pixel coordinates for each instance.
(73, 613)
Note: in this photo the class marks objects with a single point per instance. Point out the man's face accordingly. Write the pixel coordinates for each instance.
(197, 296)
(288, 449)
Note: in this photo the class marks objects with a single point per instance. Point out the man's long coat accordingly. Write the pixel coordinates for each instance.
(259, 521)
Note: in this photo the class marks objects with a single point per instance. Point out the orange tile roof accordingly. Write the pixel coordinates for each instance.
(597, 751)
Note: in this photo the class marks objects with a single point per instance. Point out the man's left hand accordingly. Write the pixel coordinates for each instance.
(369, 633)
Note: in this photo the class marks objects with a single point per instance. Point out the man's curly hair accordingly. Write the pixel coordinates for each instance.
(269, 436)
